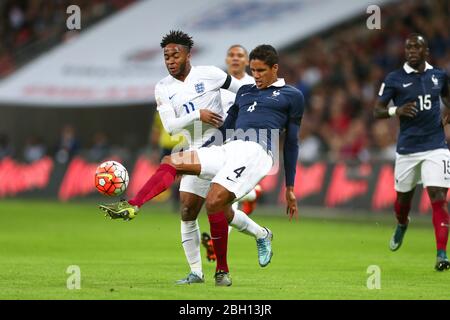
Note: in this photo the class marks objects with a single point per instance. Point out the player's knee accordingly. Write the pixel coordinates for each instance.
(188, 212)
(166, 160)
(215, 202)
(437, 194)
(405, 198)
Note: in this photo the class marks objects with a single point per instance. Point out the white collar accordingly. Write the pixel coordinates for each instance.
(279, 83)
(409, 69)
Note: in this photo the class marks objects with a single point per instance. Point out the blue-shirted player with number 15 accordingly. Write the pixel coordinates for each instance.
(422, 151)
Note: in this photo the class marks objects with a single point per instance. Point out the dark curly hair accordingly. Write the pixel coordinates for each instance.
(177, 37)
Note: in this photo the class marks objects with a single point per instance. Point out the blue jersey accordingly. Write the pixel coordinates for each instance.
(425, 131)
(259, 111)
(266, 109)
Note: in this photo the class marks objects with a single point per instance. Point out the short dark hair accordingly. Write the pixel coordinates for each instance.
(177, 37)
(265, 53)
(419, 37)
(237, 46)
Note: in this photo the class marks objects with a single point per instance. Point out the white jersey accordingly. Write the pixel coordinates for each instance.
(228, 97)
(179, 102)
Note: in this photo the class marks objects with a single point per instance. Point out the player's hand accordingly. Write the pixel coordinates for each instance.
(292, 209)
(446, 117)
(407, 110)
(211, 118)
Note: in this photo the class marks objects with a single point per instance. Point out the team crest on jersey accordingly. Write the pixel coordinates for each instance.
(276, 93)
(199, 87)
(435, 80)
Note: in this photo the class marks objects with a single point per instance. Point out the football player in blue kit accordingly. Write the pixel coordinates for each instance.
(236, 166)
(422, 152)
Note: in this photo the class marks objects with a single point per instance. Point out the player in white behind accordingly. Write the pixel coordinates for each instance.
(189, 102)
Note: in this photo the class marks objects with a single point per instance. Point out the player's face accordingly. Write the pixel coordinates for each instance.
(236, 60)
(263, 74)
(176, 57)
(415, 51)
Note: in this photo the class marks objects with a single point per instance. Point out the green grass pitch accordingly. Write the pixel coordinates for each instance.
(314, 258)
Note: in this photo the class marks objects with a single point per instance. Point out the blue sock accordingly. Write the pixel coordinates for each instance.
(442, 254)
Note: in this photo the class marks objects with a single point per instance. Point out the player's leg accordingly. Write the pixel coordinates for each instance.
(407, 175)
(246, 164)
(207, 241)
(402, 207)
(248, 202)
(177, 163)
(436, 179)
(234, 207)
(241, 223)
(219, 215)
(438, 198)
(174, 194)
(191, 205)
(206, 238)
(263, 236)
(217, 207)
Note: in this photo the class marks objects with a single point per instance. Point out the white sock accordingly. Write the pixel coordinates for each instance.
(190, 239)
(249, 196)
(234, 206)
(244, 224)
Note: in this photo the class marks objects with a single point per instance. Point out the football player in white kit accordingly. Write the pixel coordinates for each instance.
(189, 101)
(235, 167)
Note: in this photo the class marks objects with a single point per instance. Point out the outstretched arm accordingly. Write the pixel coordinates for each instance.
(290, 153)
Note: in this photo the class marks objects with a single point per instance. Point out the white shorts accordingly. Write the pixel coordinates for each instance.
(195, 185)
(432, 168)
(237, 165)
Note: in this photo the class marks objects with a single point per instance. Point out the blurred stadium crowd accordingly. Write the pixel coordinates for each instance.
(29, 27)
(339, 71)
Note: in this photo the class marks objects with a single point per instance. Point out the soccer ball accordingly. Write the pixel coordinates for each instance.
(111, 178)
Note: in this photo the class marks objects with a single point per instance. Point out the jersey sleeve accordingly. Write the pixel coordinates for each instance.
(171, 123)
(161, 97)
(290, 150)
(232, 84)
(216, 76)
(387, 89)
(297, 106)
